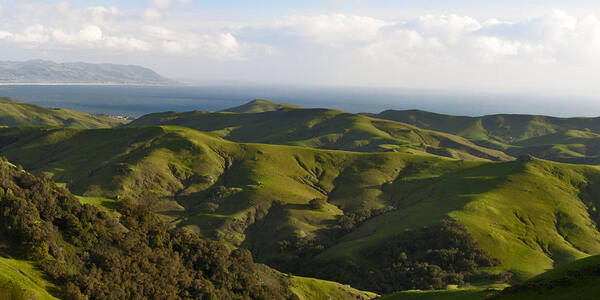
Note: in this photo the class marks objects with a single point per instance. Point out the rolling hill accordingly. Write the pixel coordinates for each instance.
(53, 246)
(522, 216)
(576, 280)
(262, 121)
(571, 140)
(260, 105)
(16, 113)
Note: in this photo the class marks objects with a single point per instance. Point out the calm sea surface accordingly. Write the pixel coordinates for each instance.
(139, 100)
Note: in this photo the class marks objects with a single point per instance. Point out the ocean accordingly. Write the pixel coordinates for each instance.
(135, 101)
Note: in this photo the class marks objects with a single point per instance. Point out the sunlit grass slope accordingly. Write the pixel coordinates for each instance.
(15, 113)
(577, 280)
(260, 105)
(310, 288)
(260, 122)
(573, 140)
(20, 280)
(459, 294)
(532, 215)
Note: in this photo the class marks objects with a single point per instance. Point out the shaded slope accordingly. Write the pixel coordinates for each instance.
(577, 280)
(573, 140)
(325, 129)
(89, 254)
(529, 215)
(16, 113)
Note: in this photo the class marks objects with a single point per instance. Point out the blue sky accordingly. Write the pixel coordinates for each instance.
(550, 46)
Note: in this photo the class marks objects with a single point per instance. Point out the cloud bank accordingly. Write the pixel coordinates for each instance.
(431, 50)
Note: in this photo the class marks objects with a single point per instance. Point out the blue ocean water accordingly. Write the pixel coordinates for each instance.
(139, 100)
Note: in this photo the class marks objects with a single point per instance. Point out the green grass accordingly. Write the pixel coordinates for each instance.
(21, 280)
(562, 283)
(571, 140)
(458, 294)
(266, 122)
(315, 289)
(105, 204)
(259, 105)
(15, 113)
(532, 216)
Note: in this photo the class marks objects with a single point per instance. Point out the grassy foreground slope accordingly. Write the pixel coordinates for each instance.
(271, 123)
(573, 140)
(577, 280)
(21, 280)
(87, 253)
(16, 113)
(531, 215)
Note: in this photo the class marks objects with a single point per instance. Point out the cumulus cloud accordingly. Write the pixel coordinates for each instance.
(332, 28)
(350, 47)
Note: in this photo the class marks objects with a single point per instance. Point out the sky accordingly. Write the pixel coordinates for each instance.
(536, 46)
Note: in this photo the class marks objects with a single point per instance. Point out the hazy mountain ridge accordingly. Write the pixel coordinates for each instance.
(42, 71)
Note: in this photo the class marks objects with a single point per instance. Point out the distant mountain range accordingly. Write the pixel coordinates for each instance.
(43, 71)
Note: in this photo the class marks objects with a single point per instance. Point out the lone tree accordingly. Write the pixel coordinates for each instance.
(317, 203)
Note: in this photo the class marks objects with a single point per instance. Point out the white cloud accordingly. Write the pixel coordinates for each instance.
(91, 33)
(166, 4)
(152, 14)
(34, 34)
(332, 28)
(323, 48)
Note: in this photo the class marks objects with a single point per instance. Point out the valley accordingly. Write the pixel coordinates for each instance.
(270, 178)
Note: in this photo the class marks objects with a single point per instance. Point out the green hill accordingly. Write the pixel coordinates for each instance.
(523, 216)
(321, 128)
(53, 246)
(571, 140)
(16, 113)
(20, 279)
(260, 105)
(577, 280)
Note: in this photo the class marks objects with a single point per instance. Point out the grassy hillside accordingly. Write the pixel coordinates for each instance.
(21, 279)
(258, 122)
(87, 253)
(572, 140)
(458, 294)
(260, 105)
(15, 113)
(577, 280)
(530, 215)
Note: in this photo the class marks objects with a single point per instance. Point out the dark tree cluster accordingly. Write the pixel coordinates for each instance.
(429, 258)
(92, 255)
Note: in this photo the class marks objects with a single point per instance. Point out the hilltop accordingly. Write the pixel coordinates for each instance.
(572, 140)
(260, 105)
(271, 123)
(522, 217)
(16, 113)
(43, 71)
